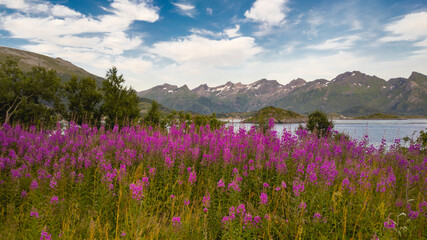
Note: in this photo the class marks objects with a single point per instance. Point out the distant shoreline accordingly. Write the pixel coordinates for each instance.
(242, 120)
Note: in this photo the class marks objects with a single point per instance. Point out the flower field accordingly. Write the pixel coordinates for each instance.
(197, 183)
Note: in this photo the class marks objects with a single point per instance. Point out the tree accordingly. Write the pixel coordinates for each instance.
(32, 97)
(153, 116)
(214, 123)
(11, 79)
(120, 104)
(84, 98)
(318, 121)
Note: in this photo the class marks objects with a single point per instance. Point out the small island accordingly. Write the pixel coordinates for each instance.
(380, 116)
(279, 115)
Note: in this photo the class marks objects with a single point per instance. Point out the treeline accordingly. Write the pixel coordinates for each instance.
(157, 118)
(40, 97)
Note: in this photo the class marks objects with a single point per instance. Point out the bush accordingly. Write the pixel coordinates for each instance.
(318, 122)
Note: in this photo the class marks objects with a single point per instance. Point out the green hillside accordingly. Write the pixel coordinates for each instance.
(26, 60)
(145, 105)
(379, 116)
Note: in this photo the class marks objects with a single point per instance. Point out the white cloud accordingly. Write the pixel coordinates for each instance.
(26, 5)
(31, 6)
(199, 51)
(14, 4)
(185, 9)
(62, 11)
(289, 48)
(228, 32)
(141, 10)
(209, 11)
(338, 43)
(268, 13)
(124, 13)
(204, 32)
(233, 32)
(95, 43)
(422, 43)
(411, 27)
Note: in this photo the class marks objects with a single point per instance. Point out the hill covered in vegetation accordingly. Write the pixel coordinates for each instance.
(379, 116)
(26, 60)
(277, 114)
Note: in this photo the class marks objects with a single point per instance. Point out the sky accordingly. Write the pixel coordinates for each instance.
(194, 42)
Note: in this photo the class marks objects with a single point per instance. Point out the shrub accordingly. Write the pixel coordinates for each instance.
(318, 122)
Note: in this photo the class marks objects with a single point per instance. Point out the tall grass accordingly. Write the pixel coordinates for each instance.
(188, 183)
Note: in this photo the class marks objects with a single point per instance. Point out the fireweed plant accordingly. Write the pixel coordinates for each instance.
(197, 183)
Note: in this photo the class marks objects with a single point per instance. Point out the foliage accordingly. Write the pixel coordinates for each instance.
(203, 120)
(39, 97)
(197, 183)
(32, 97)
(84, 98)
(421, 140)
(153, 116)
(318, 122)
(120, 104)
(379, 116)
(178, 118)
(277, 114)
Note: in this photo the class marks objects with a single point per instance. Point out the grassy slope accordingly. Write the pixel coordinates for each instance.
(27, 60)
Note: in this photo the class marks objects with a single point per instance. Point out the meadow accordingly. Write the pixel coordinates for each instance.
(199, 183)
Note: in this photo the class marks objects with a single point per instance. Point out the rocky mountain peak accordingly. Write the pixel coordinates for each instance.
(396, 82)
(202, 87)
(184, 88)
(165, 87)
(347, 75)
(355, 77)
(264, 82)
(418, 77)
(202, 90)
(296, 83)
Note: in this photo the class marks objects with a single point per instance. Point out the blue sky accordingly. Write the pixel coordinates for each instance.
(214, 41)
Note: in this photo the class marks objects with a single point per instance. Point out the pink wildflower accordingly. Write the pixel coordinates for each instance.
(176, 221)
(45, 236)
(192, 178)
(54, 200)
(264, 198)
(34, 214)
(389, 224)
(220, 183)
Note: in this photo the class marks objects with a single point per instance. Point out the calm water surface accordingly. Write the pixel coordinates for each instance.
(375, 129)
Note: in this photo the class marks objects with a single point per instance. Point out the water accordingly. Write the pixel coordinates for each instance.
(375, 129)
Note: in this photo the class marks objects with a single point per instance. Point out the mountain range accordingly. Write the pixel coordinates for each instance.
(349, 93)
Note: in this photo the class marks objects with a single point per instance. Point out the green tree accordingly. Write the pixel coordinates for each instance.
(318, 122)
(153, 116)
(214, 123)
(120, 104)
(33, 97)
(422, 139)
(84, 98)
(11, 81)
